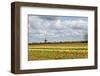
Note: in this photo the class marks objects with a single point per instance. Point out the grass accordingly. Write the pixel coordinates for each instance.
(57, 51)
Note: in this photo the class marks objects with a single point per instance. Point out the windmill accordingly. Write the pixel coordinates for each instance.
(45, 40)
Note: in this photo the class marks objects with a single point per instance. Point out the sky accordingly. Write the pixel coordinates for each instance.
(57, 28)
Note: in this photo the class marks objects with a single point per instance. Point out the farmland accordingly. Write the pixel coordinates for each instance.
(55, 51)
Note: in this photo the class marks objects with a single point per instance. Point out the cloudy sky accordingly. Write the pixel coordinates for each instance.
(57, 28)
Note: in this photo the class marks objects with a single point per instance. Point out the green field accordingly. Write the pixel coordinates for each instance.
(52, 51)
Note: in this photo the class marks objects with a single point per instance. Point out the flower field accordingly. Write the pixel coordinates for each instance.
(55, 51)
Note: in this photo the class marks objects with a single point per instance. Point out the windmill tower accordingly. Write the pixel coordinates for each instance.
(45, 40)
